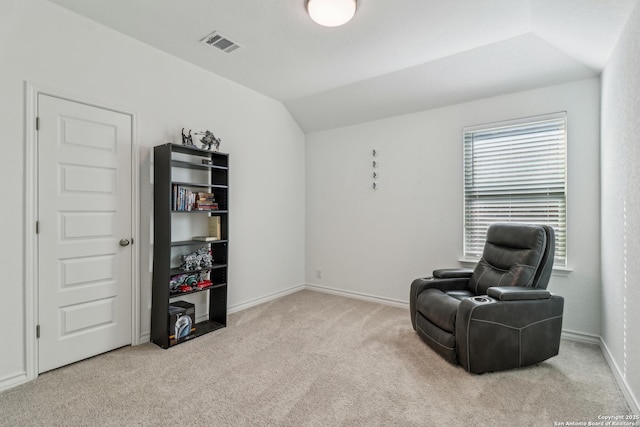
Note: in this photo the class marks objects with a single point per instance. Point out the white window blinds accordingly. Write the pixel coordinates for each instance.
(515, 172)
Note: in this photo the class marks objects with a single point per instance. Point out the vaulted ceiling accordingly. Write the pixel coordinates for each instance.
(394, 57)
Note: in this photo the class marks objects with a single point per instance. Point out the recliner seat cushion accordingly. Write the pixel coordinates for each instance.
(460, 295)
(439, 308)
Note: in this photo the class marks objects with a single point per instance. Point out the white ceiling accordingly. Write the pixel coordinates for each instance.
(394, 57)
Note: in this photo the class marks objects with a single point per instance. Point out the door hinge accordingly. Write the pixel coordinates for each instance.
(37, 123)
(37, 331)
(37, 227)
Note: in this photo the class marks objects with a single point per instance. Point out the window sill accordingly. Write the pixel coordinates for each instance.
(557, 271)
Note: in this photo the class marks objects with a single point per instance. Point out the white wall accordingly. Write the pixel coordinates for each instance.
(376, 242)
(49, 46)
(620, 148)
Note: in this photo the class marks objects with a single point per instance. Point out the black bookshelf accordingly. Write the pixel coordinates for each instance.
(169, 161)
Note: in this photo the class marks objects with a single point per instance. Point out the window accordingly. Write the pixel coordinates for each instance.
(515, 172)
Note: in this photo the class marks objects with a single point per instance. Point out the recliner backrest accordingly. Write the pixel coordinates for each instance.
(541, 280)
(513, 256)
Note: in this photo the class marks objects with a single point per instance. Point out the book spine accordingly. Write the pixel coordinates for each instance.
(174, 198)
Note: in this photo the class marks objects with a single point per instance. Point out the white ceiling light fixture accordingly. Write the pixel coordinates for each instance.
(331, 13)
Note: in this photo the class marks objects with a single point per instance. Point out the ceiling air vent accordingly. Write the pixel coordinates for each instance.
(220, 42)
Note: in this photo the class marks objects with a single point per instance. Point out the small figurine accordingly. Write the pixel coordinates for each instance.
(188, 282)
(187, 139)
(176, 282)
(197, 260)
(209, 140)
(190, 262)
(205, 259)
(203, 280)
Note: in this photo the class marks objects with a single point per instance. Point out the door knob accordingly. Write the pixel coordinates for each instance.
(124, 242)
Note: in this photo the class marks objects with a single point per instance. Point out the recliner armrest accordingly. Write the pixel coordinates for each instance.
(453, 284)
(453, 273)
(515, 293)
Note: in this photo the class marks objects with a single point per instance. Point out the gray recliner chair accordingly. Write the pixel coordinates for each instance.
(498, 315)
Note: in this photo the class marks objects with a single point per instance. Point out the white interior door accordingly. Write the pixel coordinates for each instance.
(84, 211)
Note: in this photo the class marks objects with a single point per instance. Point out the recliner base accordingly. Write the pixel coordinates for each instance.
(442, 342)
(482, 343)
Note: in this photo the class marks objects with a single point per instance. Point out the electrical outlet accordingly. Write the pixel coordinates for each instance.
(319, 273)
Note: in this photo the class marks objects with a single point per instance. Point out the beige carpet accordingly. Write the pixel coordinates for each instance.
(312, 359)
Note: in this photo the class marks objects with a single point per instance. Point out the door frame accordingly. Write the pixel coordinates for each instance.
(31, 289)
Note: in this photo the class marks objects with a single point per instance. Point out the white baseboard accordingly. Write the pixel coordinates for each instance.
(358, 295)
(13, 380)
(632, 401)
(581, 337)
(317, 288)
(263, 299)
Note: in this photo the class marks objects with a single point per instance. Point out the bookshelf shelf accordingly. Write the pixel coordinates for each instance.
(211, 211)
(178, 271)
(201, 329)
(200, 185)
(194, 291)
(203, 176)
(182, 164)
(198, 242)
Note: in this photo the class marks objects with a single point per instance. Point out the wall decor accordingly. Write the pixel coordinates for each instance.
(375, 164)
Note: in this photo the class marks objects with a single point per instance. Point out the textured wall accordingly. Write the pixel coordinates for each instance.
(620, 187)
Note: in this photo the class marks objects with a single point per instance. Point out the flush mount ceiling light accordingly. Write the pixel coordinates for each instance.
(331, 13)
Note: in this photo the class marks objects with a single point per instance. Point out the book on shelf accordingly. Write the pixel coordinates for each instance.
(215, 229)
(206, 202)
(206, 238)
(213, 207)
(183, 198)
(207, 196)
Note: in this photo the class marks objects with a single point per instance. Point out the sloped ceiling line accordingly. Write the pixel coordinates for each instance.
(392, 58)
